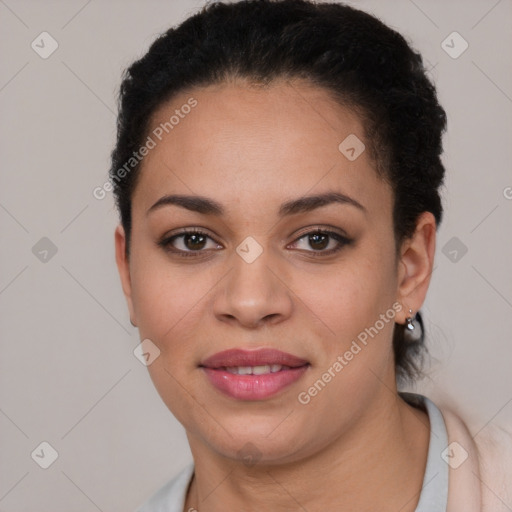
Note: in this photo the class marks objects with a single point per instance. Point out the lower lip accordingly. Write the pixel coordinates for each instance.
(253, 387)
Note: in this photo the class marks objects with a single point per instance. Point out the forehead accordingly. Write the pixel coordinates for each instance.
(241, 144)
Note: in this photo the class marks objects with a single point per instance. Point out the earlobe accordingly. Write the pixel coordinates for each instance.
(415, 266)
(123, 266)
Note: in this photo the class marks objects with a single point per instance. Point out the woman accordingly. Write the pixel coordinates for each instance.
(277, 172)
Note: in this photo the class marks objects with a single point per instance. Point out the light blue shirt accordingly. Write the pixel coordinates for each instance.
(434, 494)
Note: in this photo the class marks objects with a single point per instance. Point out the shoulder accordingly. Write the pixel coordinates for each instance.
(489, 464)
(494, 446)
(171, 496)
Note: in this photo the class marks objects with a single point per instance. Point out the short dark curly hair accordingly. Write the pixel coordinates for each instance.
(352, 55)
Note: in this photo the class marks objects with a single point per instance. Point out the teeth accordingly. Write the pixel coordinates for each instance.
(260, 370)
(256, 370)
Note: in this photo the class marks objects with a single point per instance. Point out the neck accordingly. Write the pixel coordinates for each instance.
(380, 460)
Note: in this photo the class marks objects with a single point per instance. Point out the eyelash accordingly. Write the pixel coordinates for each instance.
(166, 242)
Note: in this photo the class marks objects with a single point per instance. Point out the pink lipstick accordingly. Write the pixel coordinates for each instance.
(254, 374)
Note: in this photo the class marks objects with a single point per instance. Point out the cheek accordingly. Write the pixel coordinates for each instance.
(350, 301)
(168, 303)
(167, 299)
(350, 296)
(355, 355)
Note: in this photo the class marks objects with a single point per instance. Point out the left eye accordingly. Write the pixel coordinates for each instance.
(320, 241)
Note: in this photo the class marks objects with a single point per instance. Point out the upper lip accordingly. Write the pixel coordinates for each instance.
(260, 357)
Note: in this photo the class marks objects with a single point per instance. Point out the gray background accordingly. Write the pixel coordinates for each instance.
(68, 375)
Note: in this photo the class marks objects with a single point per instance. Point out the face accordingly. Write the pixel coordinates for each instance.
(291, 261)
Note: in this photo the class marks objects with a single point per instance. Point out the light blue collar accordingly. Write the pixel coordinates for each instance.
(434, 491)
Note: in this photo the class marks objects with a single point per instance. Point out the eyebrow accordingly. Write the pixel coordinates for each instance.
(207, 206)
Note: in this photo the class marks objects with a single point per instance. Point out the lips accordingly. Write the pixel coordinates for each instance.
(261, 357)
(253, 375)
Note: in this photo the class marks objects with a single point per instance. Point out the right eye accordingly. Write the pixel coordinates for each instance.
(191, 241)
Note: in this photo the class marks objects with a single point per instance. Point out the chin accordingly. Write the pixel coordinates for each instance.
(252, 442)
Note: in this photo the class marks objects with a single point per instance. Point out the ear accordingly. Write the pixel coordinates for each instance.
(123, 266)
(415, 266)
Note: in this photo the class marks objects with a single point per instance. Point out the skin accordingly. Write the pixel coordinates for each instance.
(251, 149)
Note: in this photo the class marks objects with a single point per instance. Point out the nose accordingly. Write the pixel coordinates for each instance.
(254, 294)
